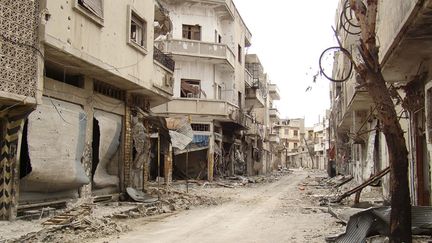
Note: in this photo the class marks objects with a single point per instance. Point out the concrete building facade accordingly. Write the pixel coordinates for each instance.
(404, 52)
(214, 85)
(92, 70)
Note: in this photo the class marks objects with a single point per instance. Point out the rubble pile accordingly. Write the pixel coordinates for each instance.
(239, 181)
(101, 220)
(78, 226)
(324, 190)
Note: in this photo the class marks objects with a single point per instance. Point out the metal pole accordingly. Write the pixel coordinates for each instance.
(187, 162)
(158, 162)
(187, 170)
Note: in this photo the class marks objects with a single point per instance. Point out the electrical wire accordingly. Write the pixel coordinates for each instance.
(22, 44)
(12, 106)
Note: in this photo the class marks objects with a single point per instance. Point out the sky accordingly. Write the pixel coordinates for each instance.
(289, 36)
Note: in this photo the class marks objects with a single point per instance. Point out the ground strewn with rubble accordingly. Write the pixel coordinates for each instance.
(277, 208)
(279, 211)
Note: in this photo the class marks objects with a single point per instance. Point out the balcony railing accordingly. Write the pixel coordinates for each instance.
(254, 98)
(205, 107)
(274, 91)
(164, 59)
(197, 106)
(248, 79)
(274, 114)
(213, 51)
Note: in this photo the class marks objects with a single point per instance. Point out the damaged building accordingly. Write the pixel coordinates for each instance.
(263, 137)
(213, 86)
(99, 96)
(77, 78)
(403, 30)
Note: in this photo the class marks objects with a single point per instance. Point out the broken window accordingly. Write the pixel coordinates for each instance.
(239, 54)
(138, 30)
(192, 32)
(93, 6)
(58, 73)
(190, 88)
(295, 145)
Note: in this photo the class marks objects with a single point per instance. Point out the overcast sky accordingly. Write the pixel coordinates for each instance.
(288, 37)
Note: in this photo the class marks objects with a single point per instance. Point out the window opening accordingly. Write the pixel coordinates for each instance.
(200, 127)
(192, 32)
(190, 88)
(138, 30)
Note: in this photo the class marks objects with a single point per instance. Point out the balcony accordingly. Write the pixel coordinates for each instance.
(187, 50)
(274, 91)
(274, 115)
(319, 147)
(254, 98)
(248, 79)
(407, 38)
(274, 138)
(225, 9)
(223, 111)
(163, 59)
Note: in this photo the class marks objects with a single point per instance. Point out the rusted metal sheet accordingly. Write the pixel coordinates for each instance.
(376, 221)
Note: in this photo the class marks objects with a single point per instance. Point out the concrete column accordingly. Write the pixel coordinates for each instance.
(87, 158)
(127, 144)
(11, 125)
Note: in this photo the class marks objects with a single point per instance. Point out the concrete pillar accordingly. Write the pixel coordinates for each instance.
(11, 125)
(87, 158)
(127, 144)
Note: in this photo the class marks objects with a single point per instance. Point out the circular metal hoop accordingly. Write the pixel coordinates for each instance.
(345, 52)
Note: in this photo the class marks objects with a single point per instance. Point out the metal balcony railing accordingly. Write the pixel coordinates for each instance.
(164, 59)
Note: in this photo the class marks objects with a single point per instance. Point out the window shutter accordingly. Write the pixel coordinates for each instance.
(94, 6)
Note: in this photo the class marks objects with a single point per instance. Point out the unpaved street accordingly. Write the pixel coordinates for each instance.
(274, 212)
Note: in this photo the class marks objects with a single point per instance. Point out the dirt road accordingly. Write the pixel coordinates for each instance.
(274, 212)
